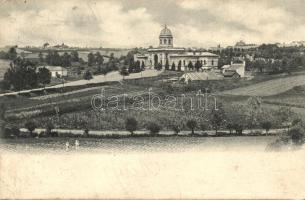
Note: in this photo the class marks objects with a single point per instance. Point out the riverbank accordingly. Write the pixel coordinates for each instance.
(79, 132)
(139, 144)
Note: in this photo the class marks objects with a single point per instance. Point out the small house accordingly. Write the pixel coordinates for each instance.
(56, 71)
(239, 68)
(231, 74)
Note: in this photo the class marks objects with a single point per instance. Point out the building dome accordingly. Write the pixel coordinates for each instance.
(166, 32)
(166, 37)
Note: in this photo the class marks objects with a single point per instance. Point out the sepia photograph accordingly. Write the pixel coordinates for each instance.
(152, 99)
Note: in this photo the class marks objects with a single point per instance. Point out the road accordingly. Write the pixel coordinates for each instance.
(112, 76)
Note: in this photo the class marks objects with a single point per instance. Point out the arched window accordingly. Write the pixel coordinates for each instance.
(164, 41)
(205, 62)
(183, 62)
(169, 41)
(212, 62)
(160, 41)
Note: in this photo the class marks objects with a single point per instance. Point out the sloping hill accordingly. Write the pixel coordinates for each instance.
(268, 88)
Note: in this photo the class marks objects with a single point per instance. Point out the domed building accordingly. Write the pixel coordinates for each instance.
(167, 53)
(166, 38)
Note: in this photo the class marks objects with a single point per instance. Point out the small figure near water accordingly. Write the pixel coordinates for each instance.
(76, 144)
(67, 146)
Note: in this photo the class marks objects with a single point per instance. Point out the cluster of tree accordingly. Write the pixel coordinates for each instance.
(124, 71)
(101, 68)
(131, 125)
(104, 69)
(53, 58)
(197, 66)
(14, 131)
(277, 65)
(88, 75)
(22, 74)
(267, 58)
(129, 58)
(11, 54)
(136, 67)
(237, 119)
(173, 67)
(96, 59)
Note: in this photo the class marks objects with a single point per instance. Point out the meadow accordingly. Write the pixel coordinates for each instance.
(76, 112)
(270, 87)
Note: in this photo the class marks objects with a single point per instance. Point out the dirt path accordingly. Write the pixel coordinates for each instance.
(113, 76)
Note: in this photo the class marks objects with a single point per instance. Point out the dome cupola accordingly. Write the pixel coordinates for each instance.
(166, 37)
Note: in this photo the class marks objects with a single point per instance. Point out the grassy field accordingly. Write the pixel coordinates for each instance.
(270, 87)
(75, 104)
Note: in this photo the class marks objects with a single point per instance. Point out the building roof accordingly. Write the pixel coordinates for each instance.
(55, 68)
(165, 49)
(142, 56)
(225, 66)
(32, 56)
(193, 76)
(230, 73)
(201, 54)
(240, 43)
(166, 32)
(235, 66)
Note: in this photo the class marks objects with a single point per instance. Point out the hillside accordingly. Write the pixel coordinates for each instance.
(270, 87)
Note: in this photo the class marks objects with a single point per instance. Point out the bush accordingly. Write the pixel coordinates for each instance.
(131, 124)
(31, 126)
(88, 75)
(230, 127)
(266, 125)
(296, 134)
(191, 124)
(153, 128)
(11, 132)
(175, 128)
(86, 132)
(54, 134)
(203, 127)
(49, 128)
(238, 129)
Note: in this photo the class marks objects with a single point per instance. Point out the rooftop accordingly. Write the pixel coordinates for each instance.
(166, 32)
(54, 68)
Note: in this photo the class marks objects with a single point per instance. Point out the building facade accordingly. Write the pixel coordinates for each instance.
(167, 53)
(238, 68)
(241, 45)
(56, 71)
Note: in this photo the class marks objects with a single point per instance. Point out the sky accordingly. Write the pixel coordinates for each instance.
(137, 23)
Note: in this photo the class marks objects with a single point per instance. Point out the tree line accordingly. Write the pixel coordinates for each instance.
(266, 58)
(23, 74)
(236, 119)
